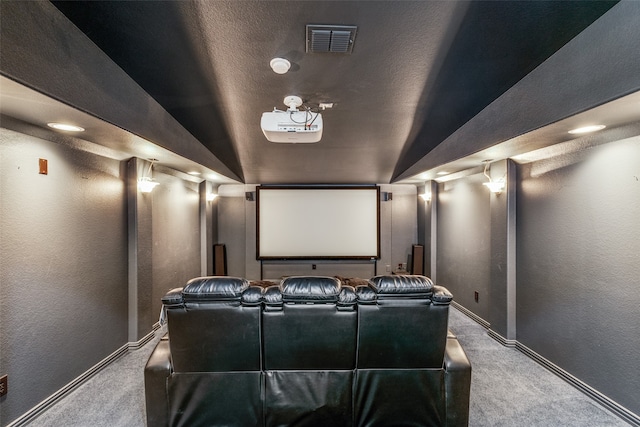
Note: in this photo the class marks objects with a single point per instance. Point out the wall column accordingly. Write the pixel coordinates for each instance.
(140, 244)
(502, 286)
(206, 228)
(431, 245)
(428, 227)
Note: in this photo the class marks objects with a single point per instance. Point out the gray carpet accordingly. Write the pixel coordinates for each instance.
(507, 389)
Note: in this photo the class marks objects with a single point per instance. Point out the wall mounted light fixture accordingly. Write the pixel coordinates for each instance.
(494, 186)
(211, 197)
(425, 196)
(146, 184)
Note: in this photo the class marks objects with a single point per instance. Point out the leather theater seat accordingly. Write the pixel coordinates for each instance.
(310, 326)
(310, 351)
(212, 373)
(402, 340)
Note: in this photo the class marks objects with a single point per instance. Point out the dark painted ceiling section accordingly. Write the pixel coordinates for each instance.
(418, 72)
(498, 43)
(150, 42)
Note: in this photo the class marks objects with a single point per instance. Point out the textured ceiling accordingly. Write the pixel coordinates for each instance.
(419, 71)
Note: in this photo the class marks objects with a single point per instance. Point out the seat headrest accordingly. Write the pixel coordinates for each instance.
(315, 289)
(402, 286)
(215, 288)
(441, 295)
(173, 297)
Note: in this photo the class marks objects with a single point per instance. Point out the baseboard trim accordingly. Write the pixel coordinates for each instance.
(479, 320)
(144, 340)
(603, 400)
(502, 340)
(600, 398)
(77, 382)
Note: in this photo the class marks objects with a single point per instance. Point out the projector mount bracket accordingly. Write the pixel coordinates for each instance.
(293, 102)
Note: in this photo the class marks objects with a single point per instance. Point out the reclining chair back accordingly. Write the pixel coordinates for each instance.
(309, 327)
(402, 333)
(214, 336)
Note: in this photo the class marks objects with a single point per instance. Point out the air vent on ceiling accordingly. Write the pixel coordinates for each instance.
(330, 38)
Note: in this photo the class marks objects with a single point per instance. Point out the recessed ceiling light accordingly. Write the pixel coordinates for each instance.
(442, 173)
(587, 129)
(65, 126)
(194, 173)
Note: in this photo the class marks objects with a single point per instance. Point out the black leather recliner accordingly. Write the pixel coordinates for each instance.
(209, 372)
(309, 335)
(308, 352)
(404, 354)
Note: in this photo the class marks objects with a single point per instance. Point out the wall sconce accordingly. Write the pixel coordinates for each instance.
(493, 186)
(426, 197)
(146, 184)
(211, 197)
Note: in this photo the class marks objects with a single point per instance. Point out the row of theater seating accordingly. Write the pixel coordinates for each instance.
(310, 351)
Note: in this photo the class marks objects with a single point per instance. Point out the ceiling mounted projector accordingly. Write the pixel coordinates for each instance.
(292, 126)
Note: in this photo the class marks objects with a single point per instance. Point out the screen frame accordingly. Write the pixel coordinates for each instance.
(312, 188)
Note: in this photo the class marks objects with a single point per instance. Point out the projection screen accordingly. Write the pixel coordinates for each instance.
(318, 222)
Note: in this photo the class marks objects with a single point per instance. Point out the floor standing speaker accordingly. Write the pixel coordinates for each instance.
(417, 259)
(219, 260)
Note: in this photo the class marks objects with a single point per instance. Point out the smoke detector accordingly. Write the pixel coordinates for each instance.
(280, 65)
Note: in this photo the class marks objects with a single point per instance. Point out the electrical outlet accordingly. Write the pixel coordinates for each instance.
(3, 385)
(476, 295)
(313, 266)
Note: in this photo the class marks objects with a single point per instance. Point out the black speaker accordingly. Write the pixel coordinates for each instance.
(250, 196)
(417, 259)
(219, 260)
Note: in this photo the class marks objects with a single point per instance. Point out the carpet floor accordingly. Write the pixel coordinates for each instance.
(507, 389)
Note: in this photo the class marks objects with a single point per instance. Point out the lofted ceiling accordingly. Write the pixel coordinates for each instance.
(419, 72)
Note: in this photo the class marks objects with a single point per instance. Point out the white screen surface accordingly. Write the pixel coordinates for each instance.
(339, 222)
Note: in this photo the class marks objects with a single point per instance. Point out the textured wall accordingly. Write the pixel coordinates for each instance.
(175, 235)
(63, 266)
(464, 241)
(578, 265)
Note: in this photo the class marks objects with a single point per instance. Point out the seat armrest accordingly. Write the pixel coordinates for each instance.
(156, 373)
(457, 383)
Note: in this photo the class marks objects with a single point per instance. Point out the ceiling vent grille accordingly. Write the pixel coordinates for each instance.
(330, 38)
